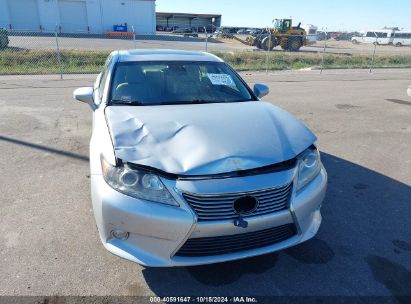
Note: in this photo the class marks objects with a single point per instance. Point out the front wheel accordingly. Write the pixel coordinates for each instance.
(354, 42)
(398, 44)
(268, 43)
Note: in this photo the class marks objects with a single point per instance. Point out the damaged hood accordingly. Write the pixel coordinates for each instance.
(206, 139)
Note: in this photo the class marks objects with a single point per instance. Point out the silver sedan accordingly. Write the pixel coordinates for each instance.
(189, 166)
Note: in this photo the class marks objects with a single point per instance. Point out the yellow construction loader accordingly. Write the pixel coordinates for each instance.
(283, 33)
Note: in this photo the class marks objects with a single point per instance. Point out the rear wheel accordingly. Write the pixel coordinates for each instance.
(398, 44)
(294, 44)
(355, 41)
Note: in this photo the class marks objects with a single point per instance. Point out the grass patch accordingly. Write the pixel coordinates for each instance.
(46, 61)
(245, 61)
(18, 61)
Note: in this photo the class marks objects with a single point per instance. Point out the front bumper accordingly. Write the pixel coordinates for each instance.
(157, 232)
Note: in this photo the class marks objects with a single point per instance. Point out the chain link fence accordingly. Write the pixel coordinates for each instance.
(83, 53)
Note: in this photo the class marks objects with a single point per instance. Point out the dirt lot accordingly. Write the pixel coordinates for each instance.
(332, 46)
(192, 44)
(347, 47)
(50, 245)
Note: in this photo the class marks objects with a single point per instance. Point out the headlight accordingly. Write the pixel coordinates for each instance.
(138, 184)
(309, 165)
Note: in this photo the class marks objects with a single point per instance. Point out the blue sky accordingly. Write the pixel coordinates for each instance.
(333, 14)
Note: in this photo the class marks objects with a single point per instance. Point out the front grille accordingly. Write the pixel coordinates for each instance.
(209, 207)
(210, 246)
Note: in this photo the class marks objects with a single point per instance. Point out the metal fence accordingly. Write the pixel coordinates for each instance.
(62, 53)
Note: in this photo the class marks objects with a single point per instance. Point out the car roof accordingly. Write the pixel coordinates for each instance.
(165, 55)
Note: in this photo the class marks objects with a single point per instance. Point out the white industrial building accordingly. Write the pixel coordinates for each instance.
(77, 16)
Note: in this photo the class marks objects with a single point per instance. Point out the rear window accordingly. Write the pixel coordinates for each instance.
(159, 83)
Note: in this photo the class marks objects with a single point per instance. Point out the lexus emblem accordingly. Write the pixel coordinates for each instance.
(245, 205)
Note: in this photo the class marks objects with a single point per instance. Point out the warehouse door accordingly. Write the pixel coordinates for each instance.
(24, 15)
(73, 16)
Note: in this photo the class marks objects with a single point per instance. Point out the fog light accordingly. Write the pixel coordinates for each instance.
(120, 234)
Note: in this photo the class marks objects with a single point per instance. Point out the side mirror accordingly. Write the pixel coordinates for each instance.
(261, 90)
(85, 95)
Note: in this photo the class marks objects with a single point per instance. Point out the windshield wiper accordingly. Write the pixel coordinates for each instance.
(126, 103)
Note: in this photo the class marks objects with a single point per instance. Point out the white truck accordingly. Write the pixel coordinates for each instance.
(402, 38)
(382, 37)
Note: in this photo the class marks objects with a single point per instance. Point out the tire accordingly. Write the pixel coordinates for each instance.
(283, 44)
(354, 42)
(265, 44)
(294, 44)
(258, 42)
(398, 44)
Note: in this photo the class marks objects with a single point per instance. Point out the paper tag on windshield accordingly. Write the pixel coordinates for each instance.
(125, 98)
(221, 79)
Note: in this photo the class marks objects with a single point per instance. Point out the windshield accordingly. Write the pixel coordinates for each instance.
(160, 83)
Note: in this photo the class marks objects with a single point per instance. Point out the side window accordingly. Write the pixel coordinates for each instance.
(286, 25)
(382, 35)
